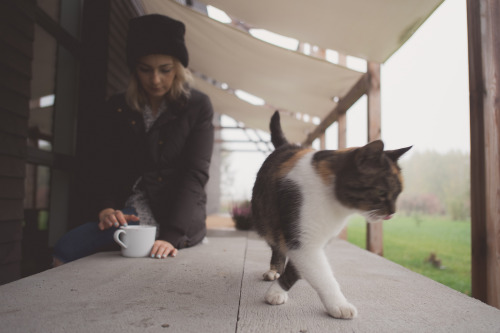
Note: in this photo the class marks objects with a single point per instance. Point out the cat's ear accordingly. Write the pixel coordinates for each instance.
(369, 157)
(394, 155)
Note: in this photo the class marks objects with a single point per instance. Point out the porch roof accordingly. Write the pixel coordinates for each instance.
(291, 81)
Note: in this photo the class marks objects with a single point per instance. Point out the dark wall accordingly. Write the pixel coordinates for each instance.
(16, 43)
(103, 72)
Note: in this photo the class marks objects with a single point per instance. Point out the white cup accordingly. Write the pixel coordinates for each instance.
(137, 240)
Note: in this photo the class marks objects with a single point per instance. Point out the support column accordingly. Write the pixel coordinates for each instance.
(374, 232)
(483, 18)
(342, 142)
(342, 135)
(322, 141)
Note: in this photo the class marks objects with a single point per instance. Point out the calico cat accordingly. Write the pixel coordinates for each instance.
(302, 198)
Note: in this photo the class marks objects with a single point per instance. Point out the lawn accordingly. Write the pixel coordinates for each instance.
(409, 241)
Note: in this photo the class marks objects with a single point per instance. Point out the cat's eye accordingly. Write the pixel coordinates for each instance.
(382, 193)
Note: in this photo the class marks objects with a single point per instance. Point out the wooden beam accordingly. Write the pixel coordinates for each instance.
(322, 141)
(342, 134)
(483, 18)
(358, 90)
(342, 131)
(342, 143)
(374, 234)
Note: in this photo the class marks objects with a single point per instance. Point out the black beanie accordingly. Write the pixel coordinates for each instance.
(155, 34)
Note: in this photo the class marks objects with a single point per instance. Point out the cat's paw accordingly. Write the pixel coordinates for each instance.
(271, 275)
(344, 310)
(276, 295)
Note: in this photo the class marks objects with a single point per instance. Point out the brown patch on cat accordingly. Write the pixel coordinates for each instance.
(324, 170)
(346, 150)
(269, 238)
(288, 165)
(282, 244)
(279, 243)
(396, 171)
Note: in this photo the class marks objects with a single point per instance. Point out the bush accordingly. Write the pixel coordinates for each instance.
(241, 214)
(426, 203)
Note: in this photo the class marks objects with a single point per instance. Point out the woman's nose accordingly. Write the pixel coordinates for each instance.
(155, 77)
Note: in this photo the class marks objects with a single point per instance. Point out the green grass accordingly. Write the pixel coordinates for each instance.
(409, 241)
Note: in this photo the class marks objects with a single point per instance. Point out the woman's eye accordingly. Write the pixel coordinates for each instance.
(166, 71)
(144, 69)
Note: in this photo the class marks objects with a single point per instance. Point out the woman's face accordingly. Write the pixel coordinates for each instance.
(156, 74)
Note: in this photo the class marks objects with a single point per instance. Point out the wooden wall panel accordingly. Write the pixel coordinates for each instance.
(11, 79)
(13, 123)
(11, 102)
(11, 188)
(118, 73)
(16, 43)
(15, 60)
(11, 166)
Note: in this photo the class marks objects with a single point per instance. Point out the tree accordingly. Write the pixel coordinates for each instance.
(437, 183)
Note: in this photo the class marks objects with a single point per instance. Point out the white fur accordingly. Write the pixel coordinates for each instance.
(322, 215)
(276, 295)
(321, 218)
(271, 275)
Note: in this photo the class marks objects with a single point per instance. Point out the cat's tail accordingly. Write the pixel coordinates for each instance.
(277, 137)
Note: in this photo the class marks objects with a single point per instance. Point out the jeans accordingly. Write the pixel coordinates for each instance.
(88, 239)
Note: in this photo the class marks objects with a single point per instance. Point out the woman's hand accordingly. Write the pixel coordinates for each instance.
(162, 249)
(110, 217)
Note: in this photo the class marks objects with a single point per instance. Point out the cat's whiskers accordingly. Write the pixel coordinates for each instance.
(372, 216)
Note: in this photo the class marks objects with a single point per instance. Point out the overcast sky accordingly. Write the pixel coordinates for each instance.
(425, 97)
(425, 90)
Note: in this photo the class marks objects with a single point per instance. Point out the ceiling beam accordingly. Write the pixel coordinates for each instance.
(358, 90)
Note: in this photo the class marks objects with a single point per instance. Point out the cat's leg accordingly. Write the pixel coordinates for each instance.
(314, 267)
(277, 265)
(278, 292)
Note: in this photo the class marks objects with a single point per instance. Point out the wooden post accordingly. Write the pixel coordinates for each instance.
(322, 141)
(342, 142)
(342, 134)
(483, 18)
(374, 233)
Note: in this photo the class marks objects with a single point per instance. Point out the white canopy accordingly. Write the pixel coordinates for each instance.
(367, 29)
(252, 116)
(287, 80)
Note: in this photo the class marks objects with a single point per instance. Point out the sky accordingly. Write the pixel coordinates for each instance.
(424, 96)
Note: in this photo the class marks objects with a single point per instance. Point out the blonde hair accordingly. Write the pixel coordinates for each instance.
(181, 87)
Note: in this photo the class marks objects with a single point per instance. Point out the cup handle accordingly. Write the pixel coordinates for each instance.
(116, 237)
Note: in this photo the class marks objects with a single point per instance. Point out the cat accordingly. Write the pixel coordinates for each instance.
(302, 198)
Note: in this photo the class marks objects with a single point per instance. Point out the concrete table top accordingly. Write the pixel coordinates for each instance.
(218, 287)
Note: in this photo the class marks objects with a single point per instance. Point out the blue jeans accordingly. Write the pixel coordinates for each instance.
(87, 239)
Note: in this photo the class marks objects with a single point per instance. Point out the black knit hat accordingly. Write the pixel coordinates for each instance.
(155, 34)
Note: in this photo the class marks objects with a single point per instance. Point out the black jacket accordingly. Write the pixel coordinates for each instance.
(173, 159)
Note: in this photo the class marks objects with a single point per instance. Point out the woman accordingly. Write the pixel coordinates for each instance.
(155, 148)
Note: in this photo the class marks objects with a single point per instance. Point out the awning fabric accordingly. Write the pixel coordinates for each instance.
(287, 80)
(368, 29)
(252, 116)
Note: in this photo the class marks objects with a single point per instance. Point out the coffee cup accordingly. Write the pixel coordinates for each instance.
(135, 240)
